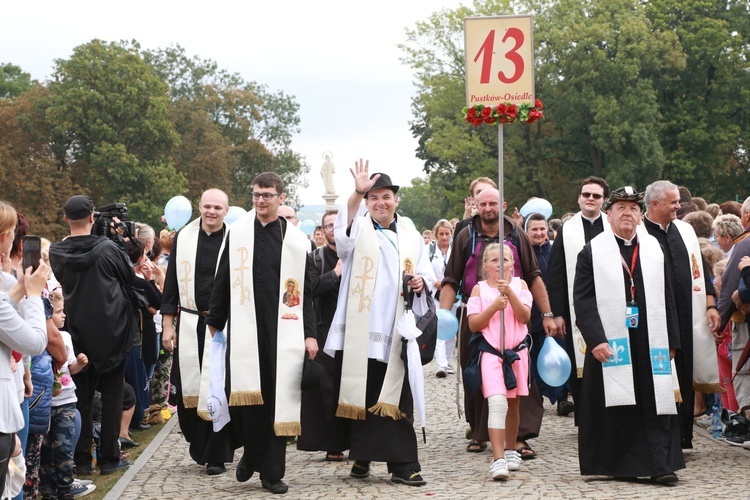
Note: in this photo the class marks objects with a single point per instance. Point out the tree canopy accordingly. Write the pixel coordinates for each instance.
(123, 124)
(632, 92)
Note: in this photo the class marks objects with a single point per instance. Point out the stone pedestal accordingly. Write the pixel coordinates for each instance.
(330, 201)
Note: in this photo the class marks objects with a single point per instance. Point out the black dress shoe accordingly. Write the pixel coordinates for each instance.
(565, 408)
(276, 487)
(83, 469)
(126, 443)
(668, 478)
(111, 468)
(141, 427)
(244, 471)
(215, 469)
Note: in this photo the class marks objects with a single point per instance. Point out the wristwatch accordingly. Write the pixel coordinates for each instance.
(548, 315)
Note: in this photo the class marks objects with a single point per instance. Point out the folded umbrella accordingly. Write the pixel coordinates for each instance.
(407, 328)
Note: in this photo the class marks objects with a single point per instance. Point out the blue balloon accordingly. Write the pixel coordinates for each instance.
(307, 226)
(537, 205)
(233, 214)
(177, 212)
(447, 324)
(553, 363)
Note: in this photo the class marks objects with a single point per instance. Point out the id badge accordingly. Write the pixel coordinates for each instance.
(631, 316)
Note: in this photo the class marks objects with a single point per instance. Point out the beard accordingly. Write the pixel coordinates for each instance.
(490, 217)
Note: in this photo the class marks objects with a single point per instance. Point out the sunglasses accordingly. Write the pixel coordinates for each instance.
(592, 195)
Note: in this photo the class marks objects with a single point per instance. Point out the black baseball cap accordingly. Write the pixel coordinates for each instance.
(78, 207)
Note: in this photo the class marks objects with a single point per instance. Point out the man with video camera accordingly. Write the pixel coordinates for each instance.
(95, 273)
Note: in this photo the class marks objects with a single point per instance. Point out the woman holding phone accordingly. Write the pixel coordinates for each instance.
(22, 329)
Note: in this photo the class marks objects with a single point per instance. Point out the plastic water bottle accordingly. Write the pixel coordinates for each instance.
(717, 429)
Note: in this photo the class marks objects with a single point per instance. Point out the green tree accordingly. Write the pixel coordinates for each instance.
(13, 81)
(632, 92)
(109, 115)
(254, 126)
(705, 109)
(29, 173)
(424, 204)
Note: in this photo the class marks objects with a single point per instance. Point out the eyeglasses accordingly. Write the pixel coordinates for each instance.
(592, 195)
(328, 227)
(265, 196)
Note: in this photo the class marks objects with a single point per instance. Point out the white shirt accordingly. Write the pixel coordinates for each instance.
(387, 284)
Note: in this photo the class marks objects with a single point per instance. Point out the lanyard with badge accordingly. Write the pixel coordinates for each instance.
(631, 309)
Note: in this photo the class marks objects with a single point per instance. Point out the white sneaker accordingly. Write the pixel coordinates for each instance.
(513, 459)
(450, 370)
(499, 470)
(80, 490)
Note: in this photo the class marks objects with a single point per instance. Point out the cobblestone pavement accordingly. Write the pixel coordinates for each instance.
(166, 471)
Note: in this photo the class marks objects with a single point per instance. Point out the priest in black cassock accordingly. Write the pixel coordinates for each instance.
(571, 237)
(627, 416)
(678, 243)
(321, 429)
(266, 337)
(187, 290)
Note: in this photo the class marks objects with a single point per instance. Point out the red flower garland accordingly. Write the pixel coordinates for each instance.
(503, 113)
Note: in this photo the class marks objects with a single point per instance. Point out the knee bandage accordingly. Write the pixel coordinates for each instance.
(498, 409)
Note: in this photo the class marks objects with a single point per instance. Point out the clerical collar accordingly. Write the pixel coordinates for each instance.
(627, 242)
(391, 226)
(209, 234)
(592, 219)
(663, 228)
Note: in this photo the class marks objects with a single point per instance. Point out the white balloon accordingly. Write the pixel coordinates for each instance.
(177, 212)
(234, 214)
(537, 205)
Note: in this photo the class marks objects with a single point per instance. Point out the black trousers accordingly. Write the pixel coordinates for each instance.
(110, 384)
(7, 443)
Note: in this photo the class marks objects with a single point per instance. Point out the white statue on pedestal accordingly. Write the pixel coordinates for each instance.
(326, 172)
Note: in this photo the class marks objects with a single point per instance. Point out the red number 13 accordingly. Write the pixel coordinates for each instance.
(486, 51)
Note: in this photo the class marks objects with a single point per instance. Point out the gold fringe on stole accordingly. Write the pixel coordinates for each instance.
(579, 372)
(350, 411)
(677, 396)
(204, 415)
(248, 398)
(288, 429)
(190, 401)
(708, 388)
(387, 410)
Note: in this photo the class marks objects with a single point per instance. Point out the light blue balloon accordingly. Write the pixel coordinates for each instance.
(233, 214)
(447, 326)
(177, 212)
(307, 226)
(553, 363)
(537, 205)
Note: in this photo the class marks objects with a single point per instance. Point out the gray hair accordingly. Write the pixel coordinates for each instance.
(655, 191)
(442, 223)
(728, 224)
(745, 206)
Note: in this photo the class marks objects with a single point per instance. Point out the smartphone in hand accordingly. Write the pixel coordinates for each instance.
(32, 251)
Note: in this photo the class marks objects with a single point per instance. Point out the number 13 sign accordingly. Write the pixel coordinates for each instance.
(499, 60)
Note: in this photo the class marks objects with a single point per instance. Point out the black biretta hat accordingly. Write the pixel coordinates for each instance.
(625, 193)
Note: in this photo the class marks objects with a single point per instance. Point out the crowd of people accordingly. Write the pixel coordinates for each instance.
(647, 292)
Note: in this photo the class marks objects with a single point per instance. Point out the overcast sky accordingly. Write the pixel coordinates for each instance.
(338, 58)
